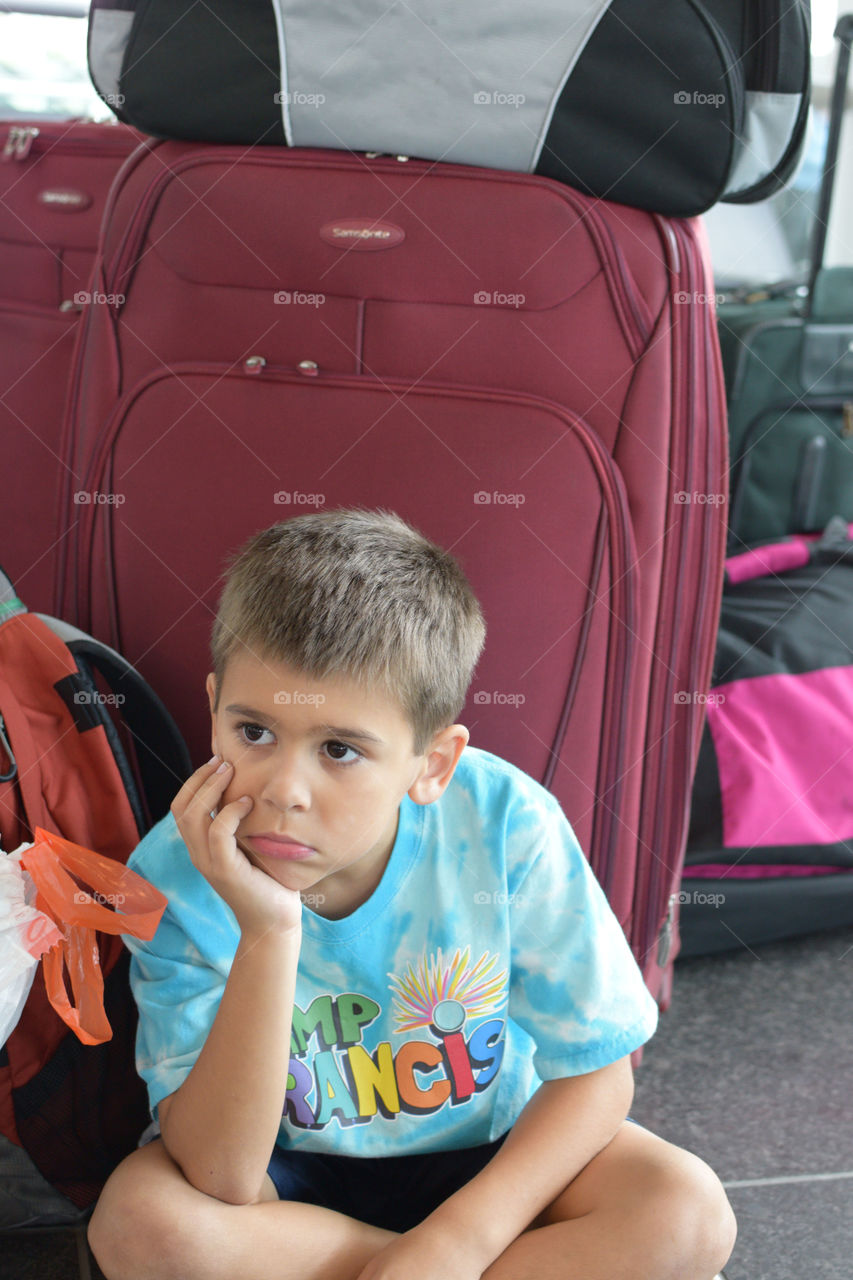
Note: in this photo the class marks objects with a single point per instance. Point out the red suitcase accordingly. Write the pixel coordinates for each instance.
(528, 375)
(54, 179)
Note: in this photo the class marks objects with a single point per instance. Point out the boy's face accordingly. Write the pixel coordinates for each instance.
(326, 764)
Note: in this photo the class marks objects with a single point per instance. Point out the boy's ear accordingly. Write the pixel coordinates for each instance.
(210, 686)
(442, 757)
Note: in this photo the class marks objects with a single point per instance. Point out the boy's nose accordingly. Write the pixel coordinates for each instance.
(286, 787)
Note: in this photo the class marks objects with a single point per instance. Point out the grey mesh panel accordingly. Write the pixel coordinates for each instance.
(770, 120)
(26, 1199)
(460, 80)
(108, 35)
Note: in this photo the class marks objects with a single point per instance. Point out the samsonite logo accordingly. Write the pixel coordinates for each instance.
(362, 233)
(65, 198)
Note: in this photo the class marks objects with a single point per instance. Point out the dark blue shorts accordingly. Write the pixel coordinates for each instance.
(394, 1192)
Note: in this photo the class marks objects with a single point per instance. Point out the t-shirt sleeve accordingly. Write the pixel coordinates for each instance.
(177, 994)
(178, 976)
(575, 986)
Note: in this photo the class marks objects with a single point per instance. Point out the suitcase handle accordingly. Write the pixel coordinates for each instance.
(844, 36)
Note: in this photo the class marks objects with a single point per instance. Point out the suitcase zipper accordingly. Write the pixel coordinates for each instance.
(654, 894)
(623, 552)
(24, 140)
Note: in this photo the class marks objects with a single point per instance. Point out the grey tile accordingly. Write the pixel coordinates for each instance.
(793, 1232)
(752, 1068)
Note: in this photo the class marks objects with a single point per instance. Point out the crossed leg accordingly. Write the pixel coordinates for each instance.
(642, 1209)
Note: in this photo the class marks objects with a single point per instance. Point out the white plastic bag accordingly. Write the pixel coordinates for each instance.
(25, 934)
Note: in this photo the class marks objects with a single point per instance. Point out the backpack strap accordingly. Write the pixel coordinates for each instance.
(9, 602)
(161, 754)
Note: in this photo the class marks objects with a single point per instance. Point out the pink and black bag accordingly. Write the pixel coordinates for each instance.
(770, 847)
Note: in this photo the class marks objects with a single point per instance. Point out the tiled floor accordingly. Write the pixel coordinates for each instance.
(751, 1068)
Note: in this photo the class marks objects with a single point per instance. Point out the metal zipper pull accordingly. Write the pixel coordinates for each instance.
(24, 144)
(11, 142)
(847, 419)
(665, 936)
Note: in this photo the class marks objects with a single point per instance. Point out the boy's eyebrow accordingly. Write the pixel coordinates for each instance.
(337, 731)
(238, 709)
(361, 734)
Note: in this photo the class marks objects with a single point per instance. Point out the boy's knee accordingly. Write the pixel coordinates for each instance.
(697, 1217)
(142, 1230)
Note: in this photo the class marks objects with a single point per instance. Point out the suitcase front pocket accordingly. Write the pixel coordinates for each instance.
(198, 458)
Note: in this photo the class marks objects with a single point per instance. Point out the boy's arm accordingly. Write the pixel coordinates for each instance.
(220, 1126)
(563, 1126)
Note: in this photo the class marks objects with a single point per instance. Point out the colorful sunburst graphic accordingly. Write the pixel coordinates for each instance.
(442, 995)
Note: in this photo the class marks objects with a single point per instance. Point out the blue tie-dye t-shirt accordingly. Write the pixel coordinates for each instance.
(486, 961)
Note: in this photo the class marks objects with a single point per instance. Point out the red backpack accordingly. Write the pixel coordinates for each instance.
(87, 751)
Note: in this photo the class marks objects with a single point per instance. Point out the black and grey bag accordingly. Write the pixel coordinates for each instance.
(669, 106)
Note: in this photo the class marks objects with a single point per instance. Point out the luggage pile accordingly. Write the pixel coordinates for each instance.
(479, 338)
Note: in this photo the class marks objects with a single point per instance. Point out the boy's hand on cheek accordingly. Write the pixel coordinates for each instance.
(258, 902)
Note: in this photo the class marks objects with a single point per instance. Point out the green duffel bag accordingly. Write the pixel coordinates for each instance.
(790, 394)
(788, 363)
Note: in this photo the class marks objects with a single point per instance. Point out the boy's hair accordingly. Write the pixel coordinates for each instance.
(360, 594)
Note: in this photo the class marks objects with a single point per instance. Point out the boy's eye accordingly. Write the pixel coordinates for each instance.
(341, 753)
(254, 733)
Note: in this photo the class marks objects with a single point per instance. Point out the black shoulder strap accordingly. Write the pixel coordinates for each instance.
(161, 754)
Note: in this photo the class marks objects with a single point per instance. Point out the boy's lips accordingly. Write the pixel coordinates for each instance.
(271, 845)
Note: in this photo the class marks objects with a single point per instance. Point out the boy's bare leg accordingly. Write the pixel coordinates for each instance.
(642, 1209)
(151, 1224)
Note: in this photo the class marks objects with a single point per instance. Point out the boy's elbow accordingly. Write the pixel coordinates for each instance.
(228, 1186)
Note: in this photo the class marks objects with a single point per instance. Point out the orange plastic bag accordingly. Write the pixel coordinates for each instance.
(120, 902)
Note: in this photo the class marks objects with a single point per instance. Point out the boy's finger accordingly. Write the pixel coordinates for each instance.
(230, 816)
(204, 785)
(195, 780)
(224, 826)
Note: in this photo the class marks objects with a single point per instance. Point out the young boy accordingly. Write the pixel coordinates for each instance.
(386, 1021)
